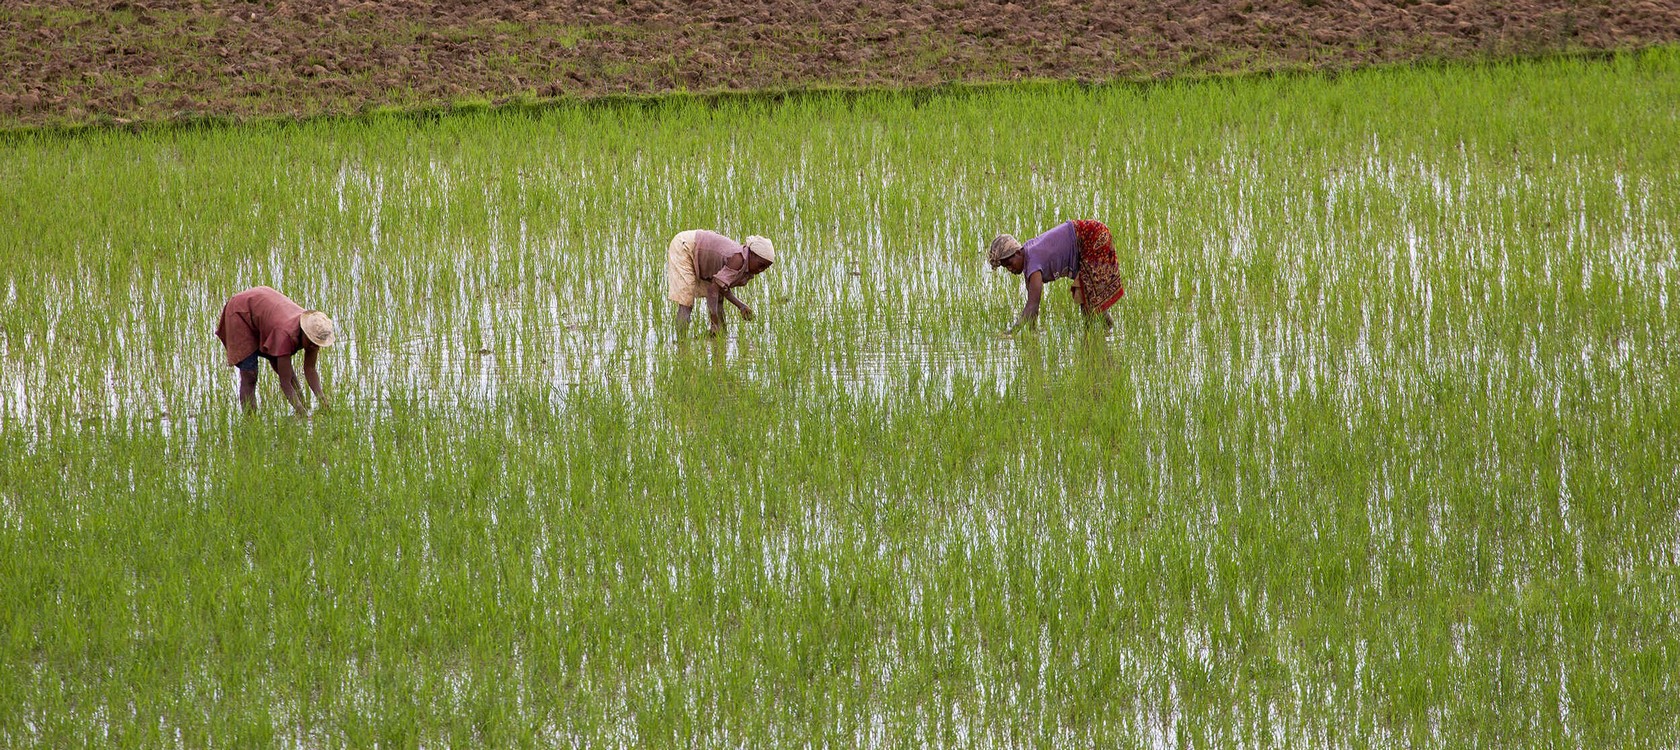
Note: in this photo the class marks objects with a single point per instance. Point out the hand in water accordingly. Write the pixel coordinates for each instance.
(746, 313)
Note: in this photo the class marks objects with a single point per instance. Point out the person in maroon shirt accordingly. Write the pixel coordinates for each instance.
(704, 264)
(1080, 250)
(263, 324)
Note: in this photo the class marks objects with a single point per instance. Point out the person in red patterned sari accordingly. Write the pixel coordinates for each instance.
(1081, 250)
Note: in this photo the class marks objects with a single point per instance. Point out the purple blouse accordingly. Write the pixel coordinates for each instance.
(1055, 253)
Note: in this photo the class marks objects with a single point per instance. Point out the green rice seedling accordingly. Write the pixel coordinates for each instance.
(1381, 451)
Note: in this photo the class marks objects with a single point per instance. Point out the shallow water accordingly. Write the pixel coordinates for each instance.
(558, 314)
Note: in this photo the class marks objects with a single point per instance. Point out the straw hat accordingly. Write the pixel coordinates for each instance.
(318, 327)
(760, 246)
(1003, 246)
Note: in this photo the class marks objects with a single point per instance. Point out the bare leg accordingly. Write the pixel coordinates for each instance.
(684, 312)
(1079, 302)
(248, 390)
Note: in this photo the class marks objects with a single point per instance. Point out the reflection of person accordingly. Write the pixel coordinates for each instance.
(261, 323)
(1080, 250)
(701, 263)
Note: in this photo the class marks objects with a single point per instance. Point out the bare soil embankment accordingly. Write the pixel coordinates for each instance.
(147, 60)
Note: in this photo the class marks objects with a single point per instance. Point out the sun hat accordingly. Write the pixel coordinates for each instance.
(318, 327)
(761, 247)
(1003, 246)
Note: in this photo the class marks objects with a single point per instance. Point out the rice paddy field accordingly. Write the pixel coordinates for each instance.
(1382, 451)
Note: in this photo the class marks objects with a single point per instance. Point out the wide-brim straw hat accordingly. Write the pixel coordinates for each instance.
(761, 247)
(318, 327)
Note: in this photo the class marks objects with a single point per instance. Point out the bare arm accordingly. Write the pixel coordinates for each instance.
(313, 375)
(746, 312)
(289, 385)
(1029, 314)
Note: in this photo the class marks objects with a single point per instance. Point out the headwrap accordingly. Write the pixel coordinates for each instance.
(761, 247)
(1002, 247)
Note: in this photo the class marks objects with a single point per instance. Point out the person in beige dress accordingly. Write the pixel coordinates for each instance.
(701, 263)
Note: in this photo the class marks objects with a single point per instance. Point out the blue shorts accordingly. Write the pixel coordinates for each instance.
(249, 364)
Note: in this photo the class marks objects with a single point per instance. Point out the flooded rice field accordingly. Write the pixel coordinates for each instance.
(1380, 452)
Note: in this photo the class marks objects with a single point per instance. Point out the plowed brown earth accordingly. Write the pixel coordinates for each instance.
(78, 61)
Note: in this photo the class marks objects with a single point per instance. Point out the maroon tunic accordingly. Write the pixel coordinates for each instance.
(260, 321)
(712, 252)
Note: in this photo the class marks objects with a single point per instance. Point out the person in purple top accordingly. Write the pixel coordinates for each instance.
(1080, 250)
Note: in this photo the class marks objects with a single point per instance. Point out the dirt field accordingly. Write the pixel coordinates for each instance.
(86, 60)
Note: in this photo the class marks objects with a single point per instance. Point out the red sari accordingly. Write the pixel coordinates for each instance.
(1099, 273)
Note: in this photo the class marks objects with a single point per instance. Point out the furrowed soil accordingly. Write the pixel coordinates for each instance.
(68, 63)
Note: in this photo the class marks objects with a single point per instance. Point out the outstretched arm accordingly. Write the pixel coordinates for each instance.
(289, 384)
(1029, 314)
(746, 312)
(312, 375)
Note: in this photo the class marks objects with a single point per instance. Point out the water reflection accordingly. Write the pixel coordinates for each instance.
(453, 285)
